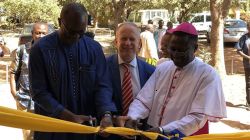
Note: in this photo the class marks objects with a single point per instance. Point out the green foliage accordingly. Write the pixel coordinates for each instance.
(105, 12)
(186, 7)
(29, 11)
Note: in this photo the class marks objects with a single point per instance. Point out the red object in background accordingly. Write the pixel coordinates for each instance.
(226, 31)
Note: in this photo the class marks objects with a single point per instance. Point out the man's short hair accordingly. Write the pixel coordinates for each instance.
(170, 24)
(160, 21)
(70, 6)
(127, 23)
(150, 21)
(38, 23)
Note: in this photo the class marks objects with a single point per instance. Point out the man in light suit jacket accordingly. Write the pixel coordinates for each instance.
(127, 42)
(149, 48)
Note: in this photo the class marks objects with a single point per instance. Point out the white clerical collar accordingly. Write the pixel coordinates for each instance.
(133, 63)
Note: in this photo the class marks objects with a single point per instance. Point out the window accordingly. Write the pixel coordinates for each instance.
(138, 17)
(198, 19)
(147, 15)
(208, 18)
(159, 14)
(131, 17)
(163, 15)
(152, 15)
(235, 24)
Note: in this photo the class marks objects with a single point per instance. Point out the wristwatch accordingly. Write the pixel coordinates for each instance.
(107, 114)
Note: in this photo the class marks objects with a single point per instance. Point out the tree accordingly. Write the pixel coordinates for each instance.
(115, 11)
(62, 2)
(98, 9)
(184, 7)
(187, 7)
(29, 11)
(219, 11)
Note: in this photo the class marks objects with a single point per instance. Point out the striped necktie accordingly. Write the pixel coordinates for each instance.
(127, 95)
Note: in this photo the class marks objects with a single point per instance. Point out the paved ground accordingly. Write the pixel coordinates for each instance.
(6, 99)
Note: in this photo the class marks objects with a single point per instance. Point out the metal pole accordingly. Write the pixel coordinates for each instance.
(232, 65)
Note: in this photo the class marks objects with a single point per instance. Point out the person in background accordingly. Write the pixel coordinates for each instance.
(128, 72)
(243, 49)
(158, 34)
(148, 48)
(19, 74)
(169, 26)
(164, 49)
(69, 77)
(3, 49)
(182, 95)
(150, 21)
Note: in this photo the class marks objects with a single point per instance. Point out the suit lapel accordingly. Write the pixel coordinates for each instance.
(116, 72)
(117, 79)
(142, 73)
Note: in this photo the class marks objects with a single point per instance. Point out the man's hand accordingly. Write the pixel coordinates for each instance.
(69, 116)
(105, 122)
(132, 124)
(119, 121)
(82, 118)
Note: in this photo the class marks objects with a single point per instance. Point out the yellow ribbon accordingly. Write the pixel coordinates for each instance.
(25, 120)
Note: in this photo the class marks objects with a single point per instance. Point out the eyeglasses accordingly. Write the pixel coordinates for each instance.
(73, 33)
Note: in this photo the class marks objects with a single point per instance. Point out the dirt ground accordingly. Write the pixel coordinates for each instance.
(233, 86)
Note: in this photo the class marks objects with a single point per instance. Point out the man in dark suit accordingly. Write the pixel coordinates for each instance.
(128, 72)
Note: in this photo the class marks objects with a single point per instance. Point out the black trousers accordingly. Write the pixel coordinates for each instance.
(247, 79)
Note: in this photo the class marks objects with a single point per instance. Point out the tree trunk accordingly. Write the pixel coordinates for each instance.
(217, 46)
(95, 22)
(219, 10)
(119, 8)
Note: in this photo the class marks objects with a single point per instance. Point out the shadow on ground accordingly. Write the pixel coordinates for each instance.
(236, 124)
(242, 106)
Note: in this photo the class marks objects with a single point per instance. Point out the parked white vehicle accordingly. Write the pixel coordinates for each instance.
(201, 22)
(141, 17)
(233, 30)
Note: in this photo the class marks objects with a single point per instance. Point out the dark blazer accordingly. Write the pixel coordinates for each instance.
(145, 71)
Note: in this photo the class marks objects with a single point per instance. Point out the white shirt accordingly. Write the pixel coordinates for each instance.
(248, 46)
(160, 33)
(135, 79)
(162, 60)
(192, 96)
(148, 49)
